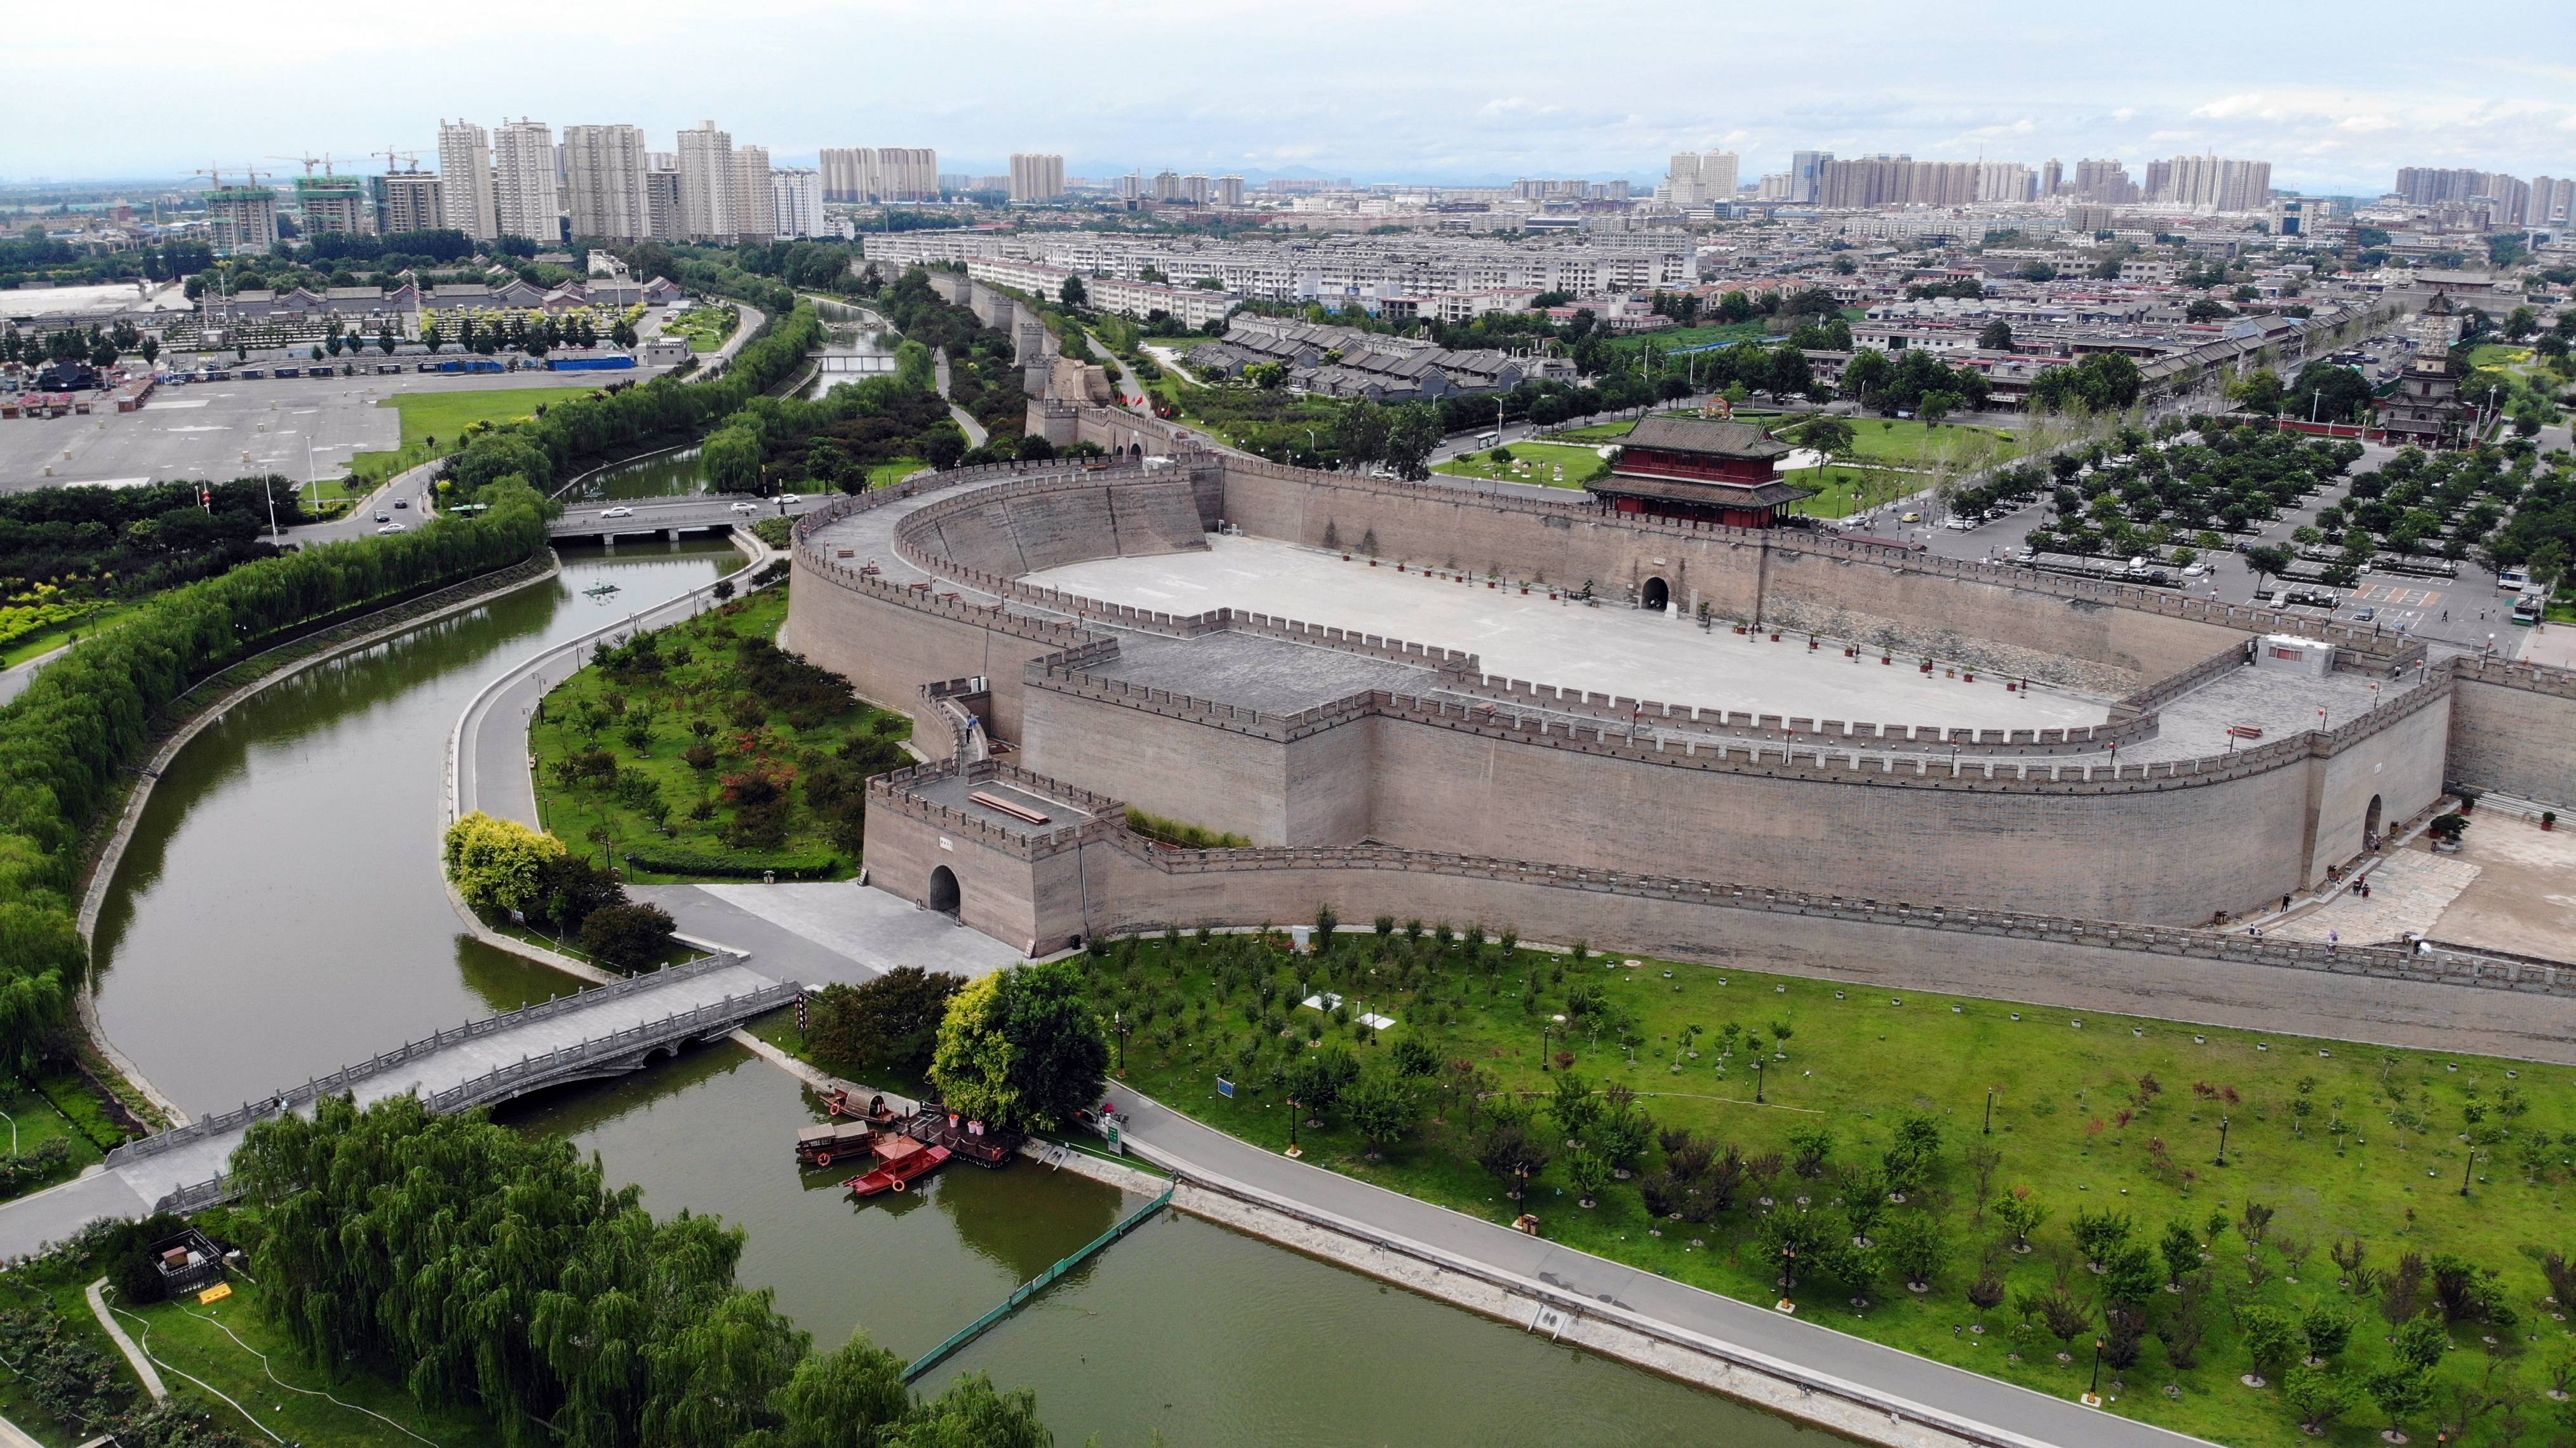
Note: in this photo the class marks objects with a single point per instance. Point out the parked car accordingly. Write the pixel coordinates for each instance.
(2366, 615)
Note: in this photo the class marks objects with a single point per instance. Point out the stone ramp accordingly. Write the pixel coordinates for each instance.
(603, 1032)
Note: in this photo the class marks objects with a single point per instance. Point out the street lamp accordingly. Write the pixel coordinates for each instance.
(2222, 1141)
(2469, 1166)
(1990, 1113)
(1296, 1109)
(1758, 1064)
(2093, 1394)
(1118, 1024)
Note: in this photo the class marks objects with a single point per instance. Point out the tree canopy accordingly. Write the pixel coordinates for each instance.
(1021, 1048)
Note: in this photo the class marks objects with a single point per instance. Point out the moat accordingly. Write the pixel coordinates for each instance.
(279, 913)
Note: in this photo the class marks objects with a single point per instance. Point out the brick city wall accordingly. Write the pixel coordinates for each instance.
(2515, 732)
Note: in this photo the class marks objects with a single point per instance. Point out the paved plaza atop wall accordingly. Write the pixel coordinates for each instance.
(1296, 678)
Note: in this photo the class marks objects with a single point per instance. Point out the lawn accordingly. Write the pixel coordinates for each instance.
(1903, 442)
(53, 636)
(2107, 1115)
(34, 1122)
(894, 470)
(1532, 462)
(1843, 491)
(231, 1347)
(733, 762)
(706, 327)
(433, 421)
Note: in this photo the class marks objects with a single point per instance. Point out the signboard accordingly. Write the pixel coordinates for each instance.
(214, 1294)
(1224, 1088)
(1116, 1146)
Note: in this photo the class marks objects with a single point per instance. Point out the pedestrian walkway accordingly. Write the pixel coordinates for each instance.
(2409, 891)
(1884, 1378)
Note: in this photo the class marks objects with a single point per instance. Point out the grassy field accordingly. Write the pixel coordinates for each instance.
(2091, 1114)
(1532, 462)
(894, 470)
(701, 685)
(1903, 442)
(1843, 491)
(444, 416)
(706, 327)
(34, 1121)
(232, 1348)
(45, 641)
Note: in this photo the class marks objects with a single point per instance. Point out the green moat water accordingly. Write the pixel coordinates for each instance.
(279, 914)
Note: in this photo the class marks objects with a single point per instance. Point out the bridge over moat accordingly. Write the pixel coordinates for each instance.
(595, 1033)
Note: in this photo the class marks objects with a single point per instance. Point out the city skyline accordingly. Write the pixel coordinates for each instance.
(1429, 100)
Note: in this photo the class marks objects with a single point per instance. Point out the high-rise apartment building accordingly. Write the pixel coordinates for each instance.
(883, 173)
(525, 202)
(797, 194)
(1036, 178)
(2052, 178)
(2553, 201)
(330, 203)
(1229, 191)
(465, 176)
(242, 218)
(604, 183)
(755, 200)
(662, 195)
(2158, 185)
(2106, 182)
(408, 201)
(1806, 174)
(2215, 183)
(707, 181)
(2512, 201)
(1702, 178)
(2003, 181)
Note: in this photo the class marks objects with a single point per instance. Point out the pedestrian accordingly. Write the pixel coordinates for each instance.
(2285, 902)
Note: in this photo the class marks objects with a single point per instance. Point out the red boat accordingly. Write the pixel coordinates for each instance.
(905, 1161)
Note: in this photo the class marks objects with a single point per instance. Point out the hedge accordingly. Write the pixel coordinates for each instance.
(690, 862)
(541, 450)
(68, 744)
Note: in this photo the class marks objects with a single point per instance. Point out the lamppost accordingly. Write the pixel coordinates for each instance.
(1553, 1023)
(1118, 1025)
(2468, 1166)
(1757, 1080)
(1296, 1108)
(2093, 1394)
(2222, 1141)
(1990, 1113)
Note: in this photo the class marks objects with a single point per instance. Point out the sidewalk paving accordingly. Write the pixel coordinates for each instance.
(1169, 1138)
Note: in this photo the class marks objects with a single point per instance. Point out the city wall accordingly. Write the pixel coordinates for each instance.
(2515, 732)
(2171, 841)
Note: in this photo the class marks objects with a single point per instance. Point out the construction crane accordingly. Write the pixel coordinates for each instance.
(390, 154)
(215, 174)
(323, 161)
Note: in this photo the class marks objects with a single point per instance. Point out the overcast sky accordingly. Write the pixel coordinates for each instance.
(2336, 97)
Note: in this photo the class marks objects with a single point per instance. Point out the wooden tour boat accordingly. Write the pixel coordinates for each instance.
(833, 1141)
(905, 1160)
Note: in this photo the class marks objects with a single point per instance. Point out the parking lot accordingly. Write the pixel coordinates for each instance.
(302, 427)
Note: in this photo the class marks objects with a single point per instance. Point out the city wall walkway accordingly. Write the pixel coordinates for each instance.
(603, 1032)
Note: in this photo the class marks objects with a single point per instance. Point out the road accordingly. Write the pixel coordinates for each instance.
(706, 510)
(976, 436)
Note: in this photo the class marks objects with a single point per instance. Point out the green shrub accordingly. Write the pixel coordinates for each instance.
(690, 862)
(80, 1105)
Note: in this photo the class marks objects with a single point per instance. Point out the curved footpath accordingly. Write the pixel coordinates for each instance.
(1854, 1386)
